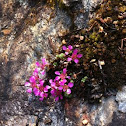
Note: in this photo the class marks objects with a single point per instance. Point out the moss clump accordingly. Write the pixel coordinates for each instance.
(55, 3)
(104, 41)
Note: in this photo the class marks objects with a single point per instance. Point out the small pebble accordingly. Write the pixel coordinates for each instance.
(81, 37)
(85, 122)
(93, 60)
(63, 41)
(102, 63)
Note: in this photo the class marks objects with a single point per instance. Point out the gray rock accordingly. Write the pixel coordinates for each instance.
(54, 116)
(21, 121)
(19, 50)
(121, 95)
(103, 114)
(88, 4)
(68, 2)
(97, 115)
(30, 30)
(122, 107)
(16, 121)
(119, 119)
(121, 99)
(32, 120)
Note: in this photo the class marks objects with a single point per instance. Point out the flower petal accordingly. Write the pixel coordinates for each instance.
(27, 84)
(42, 94)
(45, 95)
(29, 90)
(76, 60)
(41, 82)
(37, 64)
(64, 70)
(57, 72)
(32, 79)
(60, 88)
(44, 61)
(70, 47)
(57, 98)
(68, 91)
(69, 59)
(41, 99)
(70, 84)
(79, 55)
(35, 89)
(50, 81)
(75, 51)
(35, 73)
(64, 89)
(64, 47)
(43, 72)
(36, 70)
(63, 82)
(36, 93)
(45, 90)
(53, 84)
(68, 77)
(53, 92)
(66, 53)
(61, 97)
(48, 87)
(56, 78)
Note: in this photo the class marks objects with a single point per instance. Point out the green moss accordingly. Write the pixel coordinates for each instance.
(54, 3)
(122, 8)
(102, 45)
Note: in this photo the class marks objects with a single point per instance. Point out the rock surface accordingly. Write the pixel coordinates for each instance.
(27, 34)
(97, 115)
(121, 99)
(28, 31)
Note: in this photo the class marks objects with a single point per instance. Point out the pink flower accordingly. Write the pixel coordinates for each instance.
(62, 75)
(68, 91)
(42, 96)
(29, 90)
(75, 56)
(32, 79)
(66, 88)
(67, 50)
(30, 85)
(52, 83)
(35, 84)
(41, 90)
(55, 84)
(70, 84)
(35, 73)
(43, 64)
(27, 84)
(41, 67)
(38, 89)
(60, 83)
(56, 94)
(58, 86)
(43, 72)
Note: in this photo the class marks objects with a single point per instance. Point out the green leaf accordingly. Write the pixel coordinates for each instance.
(71, 81)
(70, 74)
(55, 64)
(84, 79)
(57, 56)
(61, 55)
